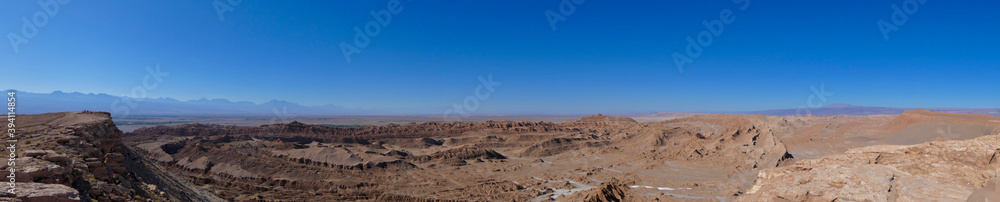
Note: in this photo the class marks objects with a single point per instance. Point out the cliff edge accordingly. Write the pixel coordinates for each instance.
(78, 156)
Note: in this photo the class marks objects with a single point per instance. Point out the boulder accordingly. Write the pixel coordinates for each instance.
(31, 192)
(56, 157)
(35, 153)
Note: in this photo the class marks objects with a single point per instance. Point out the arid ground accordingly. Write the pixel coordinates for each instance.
(919, 155)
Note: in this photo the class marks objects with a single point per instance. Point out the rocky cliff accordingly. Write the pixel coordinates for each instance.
(78, 156)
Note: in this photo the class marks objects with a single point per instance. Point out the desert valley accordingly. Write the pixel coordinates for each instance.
(520, 101)
(918, 155)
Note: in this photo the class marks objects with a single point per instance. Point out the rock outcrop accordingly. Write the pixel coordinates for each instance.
(78, 156)
(936, 171)
(33, 191)
(610, 191)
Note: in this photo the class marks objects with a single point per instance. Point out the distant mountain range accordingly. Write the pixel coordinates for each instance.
(845, 109)
(58, 101)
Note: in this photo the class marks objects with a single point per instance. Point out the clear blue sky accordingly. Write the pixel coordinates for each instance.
(606, 57)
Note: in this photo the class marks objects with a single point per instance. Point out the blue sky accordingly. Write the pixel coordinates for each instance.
(606, 57)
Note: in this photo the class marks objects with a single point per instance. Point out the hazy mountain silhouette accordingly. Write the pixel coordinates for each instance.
(58, 101)
(854, 110)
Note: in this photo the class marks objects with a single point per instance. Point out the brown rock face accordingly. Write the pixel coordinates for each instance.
(40, 192)
(611, 191)
(989, 192)
(936, 171)
(77, 156)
